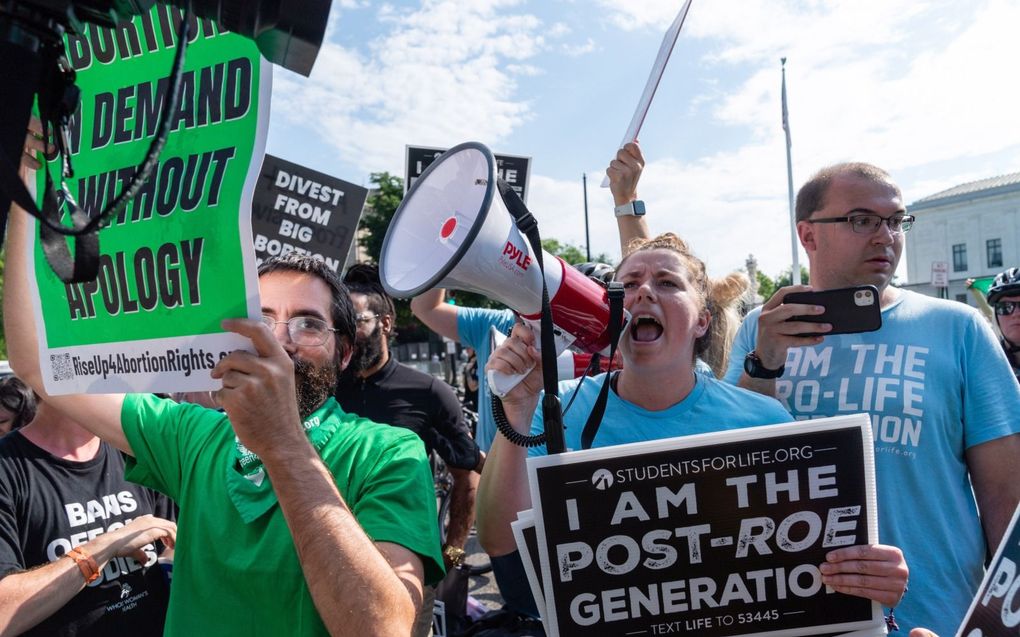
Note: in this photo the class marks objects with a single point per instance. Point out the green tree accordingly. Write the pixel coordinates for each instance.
(571, 253)
(383, 201)
(767, 285)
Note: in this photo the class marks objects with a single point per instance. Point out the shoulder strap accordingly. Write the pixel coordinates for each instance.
(552, 414)
(615, 326)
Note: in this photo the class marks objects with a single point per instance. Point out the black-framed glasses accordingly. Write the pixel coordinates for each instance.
(365, 318)
(306, 331)
(1005, 308)
(870, 223)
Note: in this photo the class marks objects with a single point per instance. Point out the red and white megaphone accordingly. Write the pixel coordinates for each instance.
(454, 231)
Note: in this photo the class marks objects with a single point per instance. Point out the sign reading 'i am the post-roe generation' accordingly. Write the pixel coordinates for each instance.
(718, 535)
(178, 259)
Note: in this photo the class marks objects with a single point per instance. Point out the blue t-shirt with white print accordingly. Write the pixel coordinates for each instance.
(711, 406)
(473, 330)
(935, 383)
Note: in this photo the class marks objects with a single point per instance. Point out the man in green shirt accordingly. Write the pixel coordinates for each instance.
(296, 518)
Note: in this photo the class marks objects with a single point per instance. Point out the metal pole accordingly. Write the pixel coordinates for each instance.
(587, 239)
(795, 269)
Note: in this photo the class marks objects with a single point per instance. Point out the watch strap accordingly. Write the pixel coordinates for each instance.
(634, 208)
(755, 369)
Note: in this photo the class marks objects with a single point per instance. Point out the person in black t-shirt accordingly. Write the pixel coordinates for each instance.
(77, 541)
(379, 388)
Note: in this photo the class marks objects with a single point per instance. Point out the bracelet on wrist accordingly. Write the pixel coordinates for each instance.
(85, 562)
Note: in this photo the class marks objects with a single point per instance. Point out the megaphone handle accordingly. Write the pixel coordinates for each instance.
(501, 384)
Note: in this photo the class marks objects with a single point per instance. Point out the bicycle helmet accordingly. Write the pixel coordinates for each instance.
(601, 272)
(1005, 284)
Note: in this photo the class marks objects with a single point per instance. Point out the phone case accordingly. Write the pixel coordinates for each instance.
(849, 310)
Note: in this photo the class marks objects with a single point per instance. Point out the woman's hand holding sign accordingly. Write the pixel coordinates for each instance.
(873, 571)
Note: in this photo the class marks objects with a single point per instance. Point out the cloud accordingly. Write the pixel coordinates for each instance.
(577, 50)
(437, 76)
(920, 88)
(722, 210)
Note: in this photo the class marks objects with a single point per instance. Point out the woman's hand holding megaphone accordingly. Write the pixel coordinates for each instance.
(518, 357)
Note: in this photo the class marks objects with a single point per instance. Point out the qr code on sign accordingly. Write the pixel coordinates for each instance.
(61, 364)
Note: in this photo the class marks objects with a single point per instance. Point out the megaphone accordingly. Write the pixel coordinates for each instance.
(453, 230)
(569, 364)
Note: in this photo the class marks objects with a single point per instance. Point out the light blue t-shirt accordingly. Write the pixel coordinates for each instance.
(711, 406)
(935, 383)
(473, 330)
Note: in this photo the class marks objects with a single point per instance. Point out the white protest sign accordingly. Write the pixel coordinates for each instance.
(665, 49)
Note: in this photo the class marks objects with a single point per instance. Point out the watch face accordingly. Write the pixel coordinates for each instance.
(639, 208)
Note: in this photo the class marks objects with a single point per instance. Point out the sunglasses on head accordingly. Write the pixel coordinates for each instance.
(1005, 308)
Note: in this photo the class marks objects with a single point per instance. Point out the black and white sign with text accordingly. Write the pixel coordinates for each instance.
(718, 535)
(299, 209)
(512, 168)
(995, 612)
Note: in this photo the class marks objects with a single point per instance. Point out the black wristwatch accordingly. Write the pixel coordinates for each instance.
(754, 368)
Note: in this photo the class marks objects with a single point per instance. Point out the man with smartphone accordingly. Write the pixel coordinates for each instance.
(931, 376)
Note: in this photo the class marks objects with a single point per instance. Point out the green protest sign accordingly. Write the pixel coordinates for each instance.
(178, 259)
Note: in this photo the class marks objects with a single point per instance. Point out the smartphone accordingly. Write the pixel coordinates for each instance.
(849, 310)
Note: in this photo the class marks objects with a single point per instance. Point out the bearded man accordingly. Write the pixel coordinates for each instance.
(296, 518)
(376, 386)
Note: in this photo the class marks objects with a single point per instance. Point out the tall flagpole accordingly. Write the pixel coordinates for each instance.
(587, 239)
(795, 270)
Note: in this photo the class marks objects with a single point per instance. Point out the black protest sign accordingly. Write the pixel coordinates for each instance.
(715, 535)
(299, 209)
(996, 609)
(513, 169)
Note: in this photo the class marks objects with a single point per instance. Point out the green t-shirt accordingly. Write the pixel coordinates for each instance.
(236, 571)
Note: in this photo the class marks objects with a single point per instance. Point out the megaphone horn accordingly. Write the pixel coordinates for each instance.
(454, 231)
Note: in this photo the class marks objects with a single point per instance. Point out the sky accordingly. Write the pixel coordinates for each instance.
(926, 89)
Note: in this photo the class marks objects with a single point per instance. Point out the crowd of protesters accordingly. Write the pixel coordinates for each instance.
(305, 493)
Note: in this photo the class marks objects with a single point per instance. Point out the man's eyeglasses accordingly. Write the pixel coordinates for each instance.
(306, 331)
(869, 224)
(1005, 308)
(364, 318)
